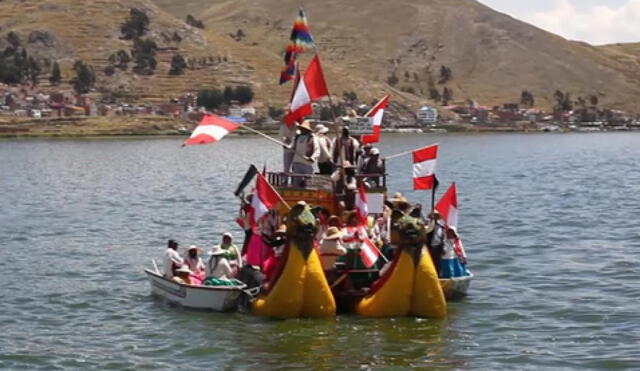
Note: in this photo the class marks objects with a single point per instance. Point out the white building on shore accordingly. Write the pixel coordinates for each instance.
(427, 115)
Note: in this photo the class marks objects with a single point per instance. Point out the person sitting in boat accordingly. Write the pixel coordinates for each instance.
(325, 166)
(219, 266)
(306, 151)
(435, 237)
(231, 251)
(172, 259)
(322, 217)
(454, 259)
(195, 264)
(183, 275)
(331, 248)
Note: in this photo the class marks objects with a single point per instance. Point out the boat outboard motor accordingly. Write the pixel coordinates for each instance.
(253, 278)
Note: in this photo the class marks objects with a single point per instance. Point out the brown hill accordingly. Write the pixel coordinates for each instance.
(492, 56)
(67, 30)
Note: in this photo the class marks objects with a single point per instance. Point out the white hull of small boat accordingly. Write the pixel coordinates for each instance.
(216, 298)
(456, 288)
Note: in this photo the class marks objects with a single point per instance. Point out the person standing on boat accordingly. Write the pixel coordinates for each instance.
(172, 259)
(218, 266)
(195, 264)
(231, 251)
(325, 166)
(435, 237)
(345, 149)
(287, 133)
(306, 151)
(454, 259)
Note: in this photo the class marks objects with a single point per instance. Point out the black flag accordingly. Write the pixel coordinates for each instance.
(248, 177)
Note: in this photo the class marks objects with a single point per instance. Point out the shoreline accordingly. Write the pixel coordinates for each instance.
(165, 127)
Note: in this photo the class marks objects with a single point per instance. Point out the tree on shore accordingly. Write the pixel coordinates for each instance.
(447, 96)
(210, 98)
(527, 99)
(445, 74)
(144, 56)
(56, 76)
(178, 64)
(563, 101)
(192, 21)
(393, 79)
(136, 25)
(85, 78)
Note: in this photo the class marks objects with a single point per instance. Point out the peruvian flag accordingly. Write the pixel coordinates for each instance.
(369, 253)
(376, 113)
(448, 206)
(361, 204)
(211, 129)
(310, 87)
(424, 167)
(264, 199)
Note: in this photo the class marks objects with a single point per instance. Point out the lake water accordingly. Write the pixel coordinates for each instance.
(550, 224)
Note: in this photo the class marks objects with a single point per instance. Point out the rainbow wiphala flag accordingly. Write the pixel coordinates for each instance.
(300, 41)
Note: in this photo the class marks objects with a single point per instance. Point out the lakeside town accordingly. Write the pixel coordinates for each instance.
(27, 110)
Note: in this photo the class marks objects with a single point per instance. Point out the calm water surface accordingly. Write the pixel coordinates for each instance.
(550, 224)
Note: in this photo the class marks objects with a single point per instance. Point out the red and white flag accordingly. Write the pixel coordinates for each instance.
(311, 86)
(211, 129)
(448, 206)
(424, 167)
(361, 205)
(264, 199)
(369, 253)
(376, 113)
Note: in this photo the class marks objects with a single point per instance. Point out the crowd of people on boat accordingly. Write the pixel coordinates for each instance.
(338, 242)
(310, 150)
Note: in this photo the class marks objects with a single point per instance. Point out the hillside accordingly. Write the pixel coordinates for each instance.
(66, 31)
(364, 46)
(492, 56)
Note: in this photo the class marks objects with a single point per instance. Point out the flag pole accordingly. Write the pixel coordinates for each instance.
(436, 183)
(407, 152)
(262, 134)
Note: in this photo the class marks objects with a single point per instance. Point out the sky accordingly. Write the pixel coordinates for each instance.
(594, 21)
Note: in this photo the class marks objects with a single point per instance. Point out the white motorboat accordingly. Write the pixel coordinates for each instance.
(456, 288)
(216, 298)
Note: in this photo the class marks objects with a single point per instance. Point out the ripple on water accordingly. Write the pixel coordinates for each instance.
(553, 250)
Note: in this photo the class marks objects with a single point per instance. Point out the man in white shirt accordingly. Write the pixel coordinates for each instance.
(172, 259)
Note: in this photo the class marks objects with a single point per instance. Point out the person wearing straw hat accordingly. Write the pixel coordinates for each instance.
(172, 259)
(331, 248)
(306, 152)
(325, 166)
(218, 266)
(195, 263)
(183, 275)
(454, 260)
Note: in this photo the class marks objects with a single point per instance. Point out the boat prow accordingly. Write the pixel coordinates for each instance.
(455, 288)
(216, 298)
